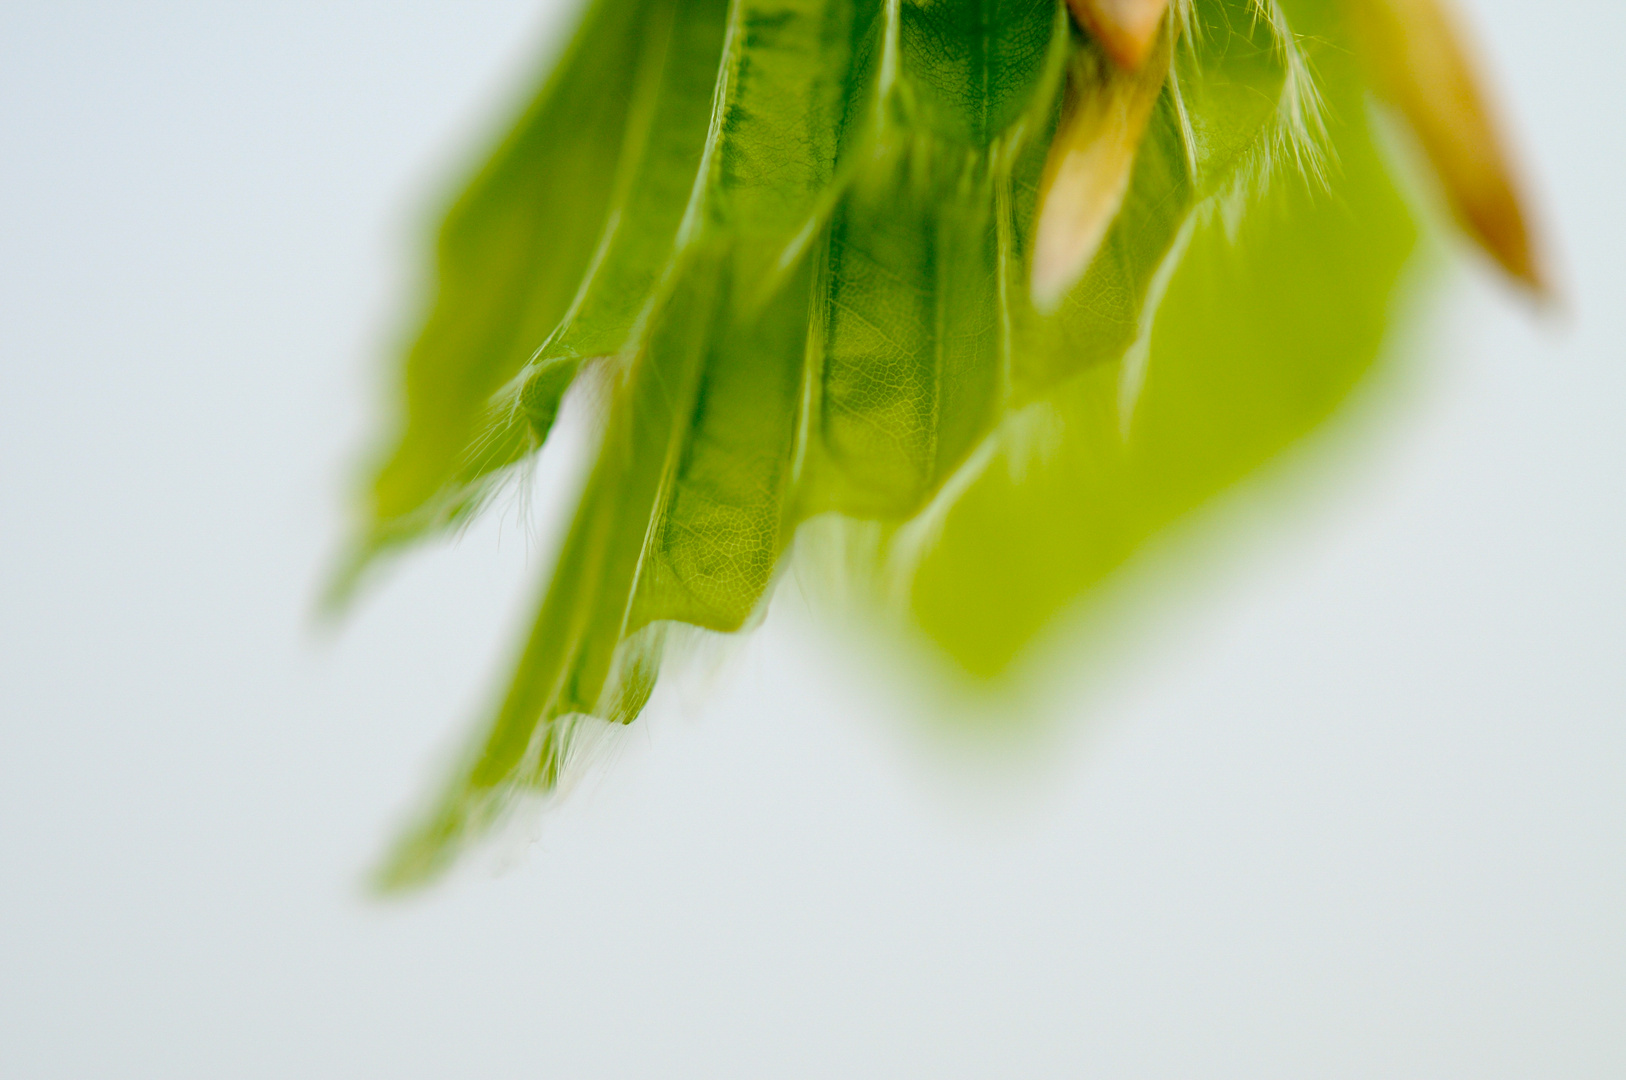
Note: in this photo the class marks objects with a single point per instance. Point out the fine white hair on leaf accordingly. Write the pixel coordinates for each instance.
(1188, 136)
(1300, 131)
(1132, 371)
(1184, 24)
(1296, 136)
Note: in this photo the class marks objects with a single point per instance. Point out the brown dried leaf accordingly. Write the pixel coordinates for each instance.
(1087, 172)
(1126, 29)
(1420, 62)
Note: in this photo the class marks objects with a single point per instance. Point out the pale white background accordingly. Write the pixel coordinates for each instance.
(1356, 808)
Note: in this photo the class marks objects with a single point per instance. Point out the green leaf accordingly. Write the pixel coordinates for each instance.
(1260, 335)
(682, 516)
(511, 256)
(801, 264)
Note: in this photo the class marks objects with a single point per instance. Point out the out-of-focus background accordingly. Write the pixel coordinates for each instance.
(1354, 807)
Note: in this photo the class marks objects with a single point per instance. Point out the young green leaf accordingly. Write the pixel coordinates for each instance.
(511, 256)
(1013, 291)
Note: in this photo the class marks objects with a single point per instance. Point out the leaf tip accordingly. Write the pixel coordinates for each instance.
(1126, 29)
(1421, 61)
(1088, 169)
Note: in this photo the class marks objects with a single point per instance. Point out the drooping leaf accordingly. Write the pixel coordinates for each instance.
(798, 238)
(511, 256)
(681, 515)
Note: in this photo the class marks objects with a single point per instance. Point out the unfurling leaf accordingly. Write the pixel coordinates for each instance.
(1005, 292)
